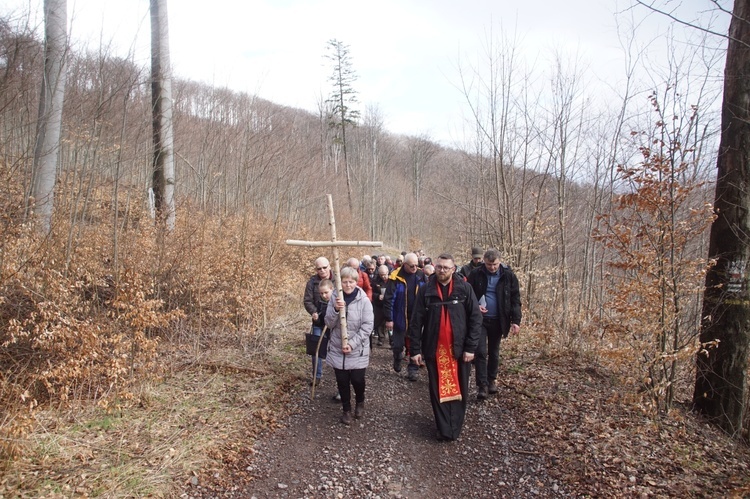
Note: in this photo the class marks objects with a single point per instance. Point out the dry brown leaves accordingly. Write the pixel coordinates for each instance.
(599, 440)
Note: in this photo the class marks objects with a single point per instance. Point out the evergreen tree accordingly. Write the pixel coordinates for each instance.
(343, 97)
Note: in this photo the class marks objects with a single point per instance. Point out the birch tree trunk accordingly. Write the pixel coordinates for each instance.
(161, 101)
(50, 110)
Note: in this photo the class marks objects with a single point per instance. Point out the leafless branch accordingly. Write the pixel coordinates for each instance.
(651, 6)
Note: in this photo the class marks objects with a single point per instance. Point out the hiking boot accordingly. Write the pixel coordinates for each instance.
(482, 392)
(397, 365)
(493, 387)
(346, 418)
(412, 376)
(359, 410)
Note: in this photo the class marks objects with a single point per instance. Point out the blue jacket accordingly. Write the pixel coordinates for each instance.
(397, 302)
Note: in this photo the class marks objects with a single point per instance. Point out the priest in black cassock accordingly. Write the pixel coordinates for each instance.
(444, 330)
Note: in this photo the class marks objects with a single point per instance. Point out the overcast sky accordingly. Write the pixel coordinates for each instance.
(405, 52)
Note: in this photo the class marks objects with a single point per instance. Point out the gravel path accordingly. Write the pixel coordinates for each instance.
(392, 451)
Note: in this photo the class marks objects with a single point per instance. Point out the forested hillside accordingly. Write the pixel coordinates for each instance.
(602, 205)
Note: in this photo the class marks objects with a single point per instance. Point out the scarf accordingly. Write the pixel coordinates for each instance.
(447, 365)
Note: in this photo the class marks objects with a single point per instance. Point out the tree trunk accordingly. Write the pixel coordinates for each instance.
(721, 374)
(50, 110)
(161, 101)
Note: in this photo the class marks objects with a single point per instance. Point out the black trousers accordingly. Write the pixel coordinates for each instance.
(399, 342)
(449, 416)
(487, 357)
(345, 380)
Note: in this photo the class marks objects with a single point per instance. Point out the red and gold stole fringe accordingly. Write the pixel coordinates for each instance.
(447, 366)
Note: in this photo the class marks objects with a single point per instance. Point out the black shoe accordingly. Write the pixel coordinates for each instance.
(493, 387)
(397, 365)
(337, 397)
(359, 410)
(482, 392)
(346, 418)
(442, 438)
(412, 376)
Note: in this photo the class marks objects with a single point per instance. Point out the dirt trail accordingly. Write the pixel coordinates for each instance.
(392, 451)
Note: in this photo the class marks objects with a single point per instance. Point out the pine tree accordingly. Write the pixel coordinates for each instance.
(343, 97)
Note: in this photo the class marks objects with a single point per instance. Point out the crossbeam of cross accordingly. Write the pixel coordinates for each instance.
(335, 244)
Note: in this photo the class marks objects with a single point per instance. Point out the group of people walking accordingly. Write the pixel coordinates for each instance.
(435, 314)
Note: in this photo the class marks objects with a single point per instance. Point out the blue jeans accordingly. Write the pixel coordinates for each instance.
(317, 331)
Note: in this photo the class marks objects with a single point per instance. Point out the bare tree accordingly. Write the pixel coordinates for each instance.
(161, 101)
(566, 116)
(421, 151)
(50, 110)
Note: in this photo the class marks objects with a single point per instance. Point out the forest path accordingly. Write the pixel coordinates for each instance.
(392, 451)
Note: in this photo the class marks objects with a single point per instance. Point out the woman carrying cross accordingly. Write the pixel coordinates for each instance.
(349, 353)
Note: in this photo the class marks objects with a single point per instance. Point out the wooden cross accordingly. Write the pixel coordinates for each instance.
(335, 244)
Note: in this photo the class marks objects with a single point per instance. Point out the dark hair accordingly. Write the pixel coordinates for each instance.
(491, 255)
(446, 256)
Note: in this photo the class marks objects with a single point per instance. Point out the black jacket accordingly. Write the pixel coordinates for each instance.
(508, 295)
(465, 270)
(465, 317)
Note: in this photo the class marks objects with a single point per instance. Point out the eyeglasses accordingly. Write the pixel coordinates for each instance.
(411, 265)
(321, 268)
(443, 268)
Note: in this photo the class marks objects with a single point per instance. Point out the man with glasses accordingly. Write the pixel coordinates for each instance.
(476, 261)
(312, 294)
(496, 288)
(400, 295)
(444, 333)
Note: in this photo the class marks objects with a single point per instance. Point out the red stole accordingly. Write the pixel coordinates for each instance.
(447, 365)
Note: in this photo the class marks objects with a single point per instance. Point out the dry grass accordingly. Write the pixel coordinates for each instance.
(200, 414)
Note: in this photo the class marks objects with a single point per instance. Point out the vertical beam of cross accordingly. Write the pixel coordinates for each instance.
(334, 244)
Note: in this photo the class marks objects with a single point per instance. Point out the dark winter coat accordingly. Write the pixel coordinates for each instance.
(312, 293)
(464, 314)
(508, 295)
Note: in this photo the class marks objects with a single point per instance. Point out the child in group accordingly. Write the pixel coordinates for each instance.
(326, 290)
